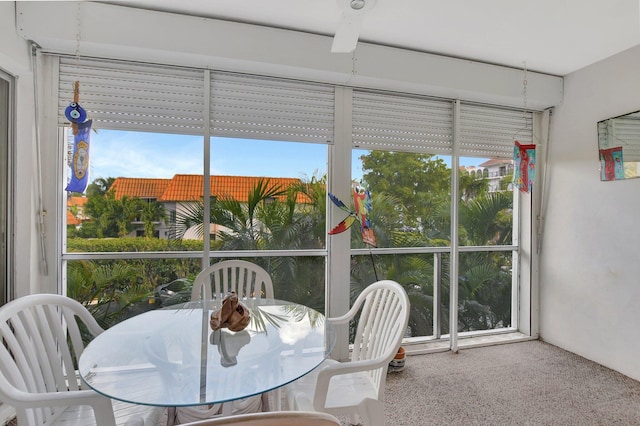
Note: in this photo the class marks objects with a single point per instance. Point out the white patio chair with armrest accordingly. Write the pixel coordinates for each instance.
(356, 387)
(274, 418)
(247, 280)
(40, 343)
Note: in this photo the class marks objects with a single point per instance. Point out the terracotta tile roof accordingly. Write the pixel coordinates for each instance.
(139, 187)
(190, 187)
(71, 219)
(184, 188)
(76, 201)
(76, 204)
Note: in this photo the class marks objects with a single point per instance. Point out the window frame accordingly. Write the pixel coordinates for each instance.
(338, 251)
(7, 127)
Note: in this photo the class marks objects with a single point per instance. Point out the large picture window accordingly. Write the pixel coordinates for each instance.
(189, 167)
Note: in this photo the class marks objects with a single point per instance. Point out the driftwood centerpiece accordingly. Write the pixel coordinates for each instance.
(233, 314)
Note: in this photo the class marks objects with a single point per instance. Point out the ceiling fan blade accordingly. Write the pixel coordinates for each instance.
(346, 37)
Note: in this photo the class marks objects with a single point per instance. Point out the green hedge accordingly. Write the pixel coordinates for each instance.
(132, 244)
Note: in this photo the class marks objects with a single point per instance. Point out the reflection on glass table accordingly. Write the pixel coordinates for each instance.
(171, 357)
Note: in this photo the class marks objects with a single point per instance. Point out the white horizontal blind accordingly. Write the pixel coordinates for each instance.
(145, 97)
(133, 96)
(621, 132)
(256, 107)
(490, 132)
(404, 123)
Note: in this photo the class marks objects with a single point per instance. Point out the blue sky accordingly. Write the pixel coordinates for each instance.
(137, 154)
(154, 155)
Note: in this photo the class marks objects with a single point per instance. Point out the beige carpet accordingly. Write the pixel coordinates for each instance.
(527, 383)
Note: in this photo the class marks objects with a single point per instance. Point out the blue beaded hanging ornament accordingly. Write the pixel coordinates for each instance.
(74, 112)
(81, 128)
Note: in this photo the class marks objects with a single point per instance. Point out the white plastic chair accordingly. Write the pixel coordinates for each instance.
(40, 344)
(356, 387)
(274, 418)
(245, 278)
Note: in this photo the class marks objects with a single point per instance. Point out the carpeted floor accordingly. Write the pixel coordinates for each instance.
(527, 383)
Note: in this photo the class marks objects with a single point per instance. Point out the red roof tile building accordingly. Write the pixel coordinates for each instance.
(75, 210)
(183, 188)
(148, 188)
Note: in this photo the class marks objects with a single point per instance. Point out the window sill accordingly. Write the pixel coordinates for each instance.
(442, 345)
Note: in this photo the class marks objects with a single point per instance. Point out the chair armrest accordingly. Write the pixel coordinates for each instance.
(331, 369)
(102, 408)
(344, 319)
(351, 313)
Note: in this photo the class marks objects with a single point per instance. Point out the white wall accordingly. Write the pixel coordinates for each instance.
(15, 60)
(590, 264)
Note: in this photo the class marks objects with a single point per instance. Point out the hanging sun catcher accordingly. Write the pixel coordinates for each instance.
(363, 207)
(524, 155)
(524, 174)
(81, 129)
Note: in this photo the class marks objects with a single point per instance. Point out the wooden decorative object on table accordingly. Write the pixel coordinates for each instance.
(233, 314)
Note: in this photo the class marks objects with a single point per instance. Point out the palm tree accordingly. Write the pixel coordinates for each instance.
(485, 277)
(487, 219)
(124, 211)
(110, 292)
(273, 218)
(240, 219)
(245, 225)
(100, 186)
(151, 213)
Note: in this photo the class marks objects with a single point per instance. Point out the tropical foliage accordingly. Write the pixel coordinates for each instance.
(113, 217)
(412, 205)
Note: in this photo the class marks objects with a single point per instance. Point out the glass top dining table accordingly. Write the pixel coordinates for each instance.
(171, 357)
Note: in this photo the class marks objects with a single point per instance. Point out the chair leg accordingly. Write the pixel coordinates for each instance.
(353, 420)
(372, 412)
(103, 411)
(171, 416)
(277, 399)
(266, 405)
(227, 409)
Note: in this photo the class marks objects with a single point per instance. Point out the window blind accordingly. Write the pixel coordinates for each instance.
(490, 132)
(401, 122)
(148, 97)
(257, 107)
(134, 96)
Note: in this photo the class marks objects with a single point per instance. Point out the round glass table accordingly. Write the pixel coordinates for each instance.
(171, 357)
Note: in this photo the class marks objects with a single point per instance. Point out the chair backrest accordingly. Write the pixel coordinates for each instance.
(41, 342)
(273, 418)
(245, 278)
(381, 326)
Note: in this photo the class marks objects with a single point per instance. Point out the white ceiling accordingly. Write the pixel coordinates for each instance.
(550, 36)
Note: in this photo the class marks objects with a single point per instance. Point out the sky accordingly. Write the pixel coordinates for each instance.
(153, 155)
(140, 154)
